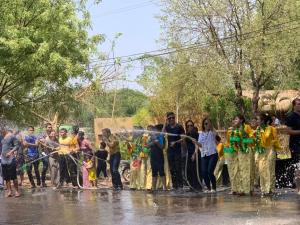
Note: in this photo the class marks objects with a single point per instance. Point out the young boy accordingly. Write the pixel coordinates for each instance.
(101, 155)
(156, 144)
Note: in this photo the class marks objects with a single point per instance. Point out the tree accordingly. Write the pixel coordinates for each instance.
(251, 40)
(100, 104)
(181, 84)
(45, 48)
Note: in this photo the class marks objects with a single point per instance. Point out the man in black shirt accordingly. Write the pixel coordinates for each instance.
(174, 131)
(293, 124)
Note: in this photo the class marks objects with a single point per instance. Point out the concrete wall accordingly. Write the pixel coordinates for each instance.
(115, 125)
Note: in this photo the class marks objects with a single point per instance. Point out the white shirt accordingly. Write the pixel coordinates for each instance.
(208, 142)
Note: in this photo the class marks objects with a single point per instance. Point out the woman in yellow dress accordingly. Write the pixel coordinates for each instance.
(134, 146)
(239, 154)
(266, 144)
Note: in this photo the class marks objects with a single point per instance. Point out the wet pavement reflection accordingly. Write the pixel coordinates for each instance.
(47, 206)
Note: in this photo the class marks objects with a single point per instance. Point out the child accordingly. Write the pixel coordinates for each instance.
(221, 161)
(90, 166)
(85, 173)
(101, 163)
(156, 144)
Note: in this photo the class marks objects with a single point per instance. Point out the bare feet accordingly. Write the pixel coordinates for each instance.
(17, 194)
(9, 194)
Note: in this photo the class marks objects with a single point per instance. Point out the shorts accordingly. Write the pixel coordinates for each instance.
(157, 167)
(9, 171)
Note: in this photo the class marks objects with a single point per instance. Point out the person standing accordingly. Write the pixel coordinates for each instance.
(192, 173)
(156, 145)
(114, 157)
(239, 155)
(20, 157)
(174, 132)
(1, 175)
(101, 156)
(134, 147)
(293, 129)
(74, 154)
(53, 145)
(31, 142)
(85, 145)
(209, 155)
(64, 151)
(9, 148)
(45, 151)
(266, 144)
(221, 160)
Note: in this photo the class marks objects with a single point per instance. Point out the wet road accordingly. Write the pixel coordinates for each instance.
(46, 206)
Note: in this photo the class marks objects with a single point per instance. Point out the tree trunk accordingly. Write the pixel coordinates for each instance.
(255, 100)
(177, 108)
(239, 102)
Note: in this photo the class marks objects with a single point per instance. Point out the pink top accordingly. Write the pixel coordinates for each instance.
(85, 145)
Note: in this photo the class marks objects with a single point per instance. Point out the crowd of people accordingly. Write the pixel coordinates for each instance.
(164, 156)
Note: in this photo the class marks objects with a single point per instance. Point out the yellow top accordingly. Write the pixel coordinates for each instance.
(145, 139)
(269, 138)
(65, 144)
(220, 150)
(248, 133)
(113, 144)
(91, 170)
(74, 143)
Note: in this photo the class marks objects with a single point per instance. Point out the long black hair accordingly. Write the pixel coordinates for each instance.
(241, 117)
(186, 123)
(266, 119)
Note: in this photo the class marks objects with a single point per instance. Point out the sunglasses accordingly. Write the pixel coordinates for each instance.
(171, 117)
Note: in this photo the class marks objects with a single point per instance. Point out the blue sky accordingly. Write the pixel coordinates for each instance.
(135, 19)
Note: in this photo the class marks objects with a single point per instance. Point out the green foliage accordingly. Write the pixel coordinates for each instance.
(44, 46)
(142, 117)
(127, 103)
(254, 43)
(123, 150)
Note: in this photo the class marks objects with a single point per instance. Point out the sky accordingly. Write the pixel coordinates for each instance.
(135, 19)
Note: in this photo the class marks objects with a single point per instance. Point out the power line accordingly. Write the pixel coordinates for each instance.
(167, 51)
(203, 44)
(126, 9)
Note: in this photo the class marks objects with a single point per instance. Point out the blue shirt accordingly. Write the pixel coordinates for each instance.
(32, 151)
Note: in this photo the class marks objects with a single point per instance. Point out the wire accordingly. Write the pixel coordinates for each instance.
(174, 51)
(126, 9)
(167, 51)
